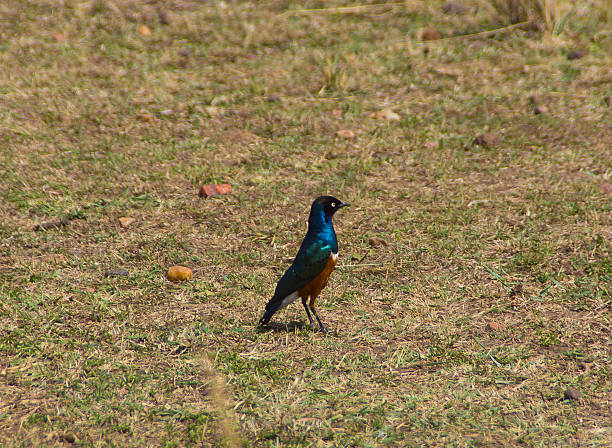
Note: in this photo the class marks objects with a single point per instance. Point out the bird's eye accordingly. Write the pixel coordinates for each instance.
(333, 204)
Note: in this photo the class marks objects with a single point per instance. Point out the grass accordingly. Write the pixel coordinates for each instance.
(490, 298)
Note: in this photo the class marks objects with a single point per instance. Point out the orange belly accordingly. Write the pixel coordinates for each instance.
(313, 288)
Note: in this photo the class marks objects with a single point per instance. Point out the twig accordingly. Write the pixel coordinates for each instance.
(503, 29)
(357, 265)
(340, 9)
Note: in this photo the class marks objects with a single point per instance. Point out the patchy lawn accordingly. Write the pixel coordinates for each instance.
(475, 274)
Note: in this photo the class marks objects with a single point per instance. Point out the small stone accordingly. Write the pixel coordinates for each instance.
(518, 289)
(386, 114)
(213, 111)
(430, 33)
(534, 100)
(179, 273)
(209, 190)
(455, 8)
(536, 104)
(69, 437)
(487, 140)
(144, 30)
(165, 18)
(346, 134)
(223, 188)
(377, 242)
(116, 272)
(61, 37)
(55, 258)
(495, 326)
(237, 136)
(538, 110)
(146, 116)
(605, 188)
(51, 225)
(126, 221)
(576, 54)
(572, 394)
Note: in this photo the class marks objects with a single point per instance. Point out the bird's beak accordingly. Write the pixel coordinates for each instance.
(343, 204)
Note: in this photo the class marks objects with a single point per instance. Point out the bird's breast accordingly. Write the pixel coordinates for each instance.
(313, 289)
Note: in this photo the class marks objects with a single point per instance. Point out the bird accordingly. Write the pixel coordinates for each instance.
(314, 262)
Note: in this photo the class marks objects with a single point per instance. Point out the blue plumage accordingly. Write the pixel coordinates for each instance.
(309, 270)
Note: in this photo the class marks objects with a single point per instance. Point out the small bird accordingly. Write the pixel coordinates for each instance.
(314, 262)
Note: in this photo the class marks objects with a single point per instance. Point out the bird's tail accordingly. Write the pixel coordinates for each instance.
(270, 310)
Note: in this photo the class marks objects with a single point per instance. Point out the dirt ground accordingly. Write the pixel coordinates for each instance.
(471, 304)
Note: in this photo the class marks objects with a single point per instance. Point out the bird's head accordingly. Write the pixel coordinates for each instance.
(329, 204)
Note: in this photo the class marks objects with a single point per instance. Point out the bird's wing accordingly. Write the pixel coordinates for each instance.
(309, 262)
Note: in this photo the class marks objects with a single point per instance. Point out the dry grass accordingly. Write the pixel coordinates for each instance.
(490, 298)
(549, 17)
(543, 13)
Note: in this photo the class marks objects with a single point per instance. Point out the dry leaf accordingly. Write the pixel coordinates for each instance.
(179, 274)
(126, 221)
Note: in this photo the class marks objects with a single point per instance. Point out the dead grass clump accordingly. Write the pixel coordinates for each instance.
(545, 15)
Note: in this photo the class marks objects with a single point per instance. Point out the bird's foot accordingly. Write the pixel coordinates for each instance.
(324, 330)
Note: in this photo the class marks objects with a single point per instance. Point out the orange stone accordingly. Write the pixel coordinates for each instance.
(179, 273)
(209, 190)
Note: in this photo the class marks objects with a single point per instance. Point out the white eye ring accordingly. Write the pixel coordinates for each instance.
(333, 204)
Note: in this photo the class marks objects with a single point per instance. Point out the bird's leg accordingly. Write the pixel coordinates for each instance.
(307, 311)
(314, 311)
